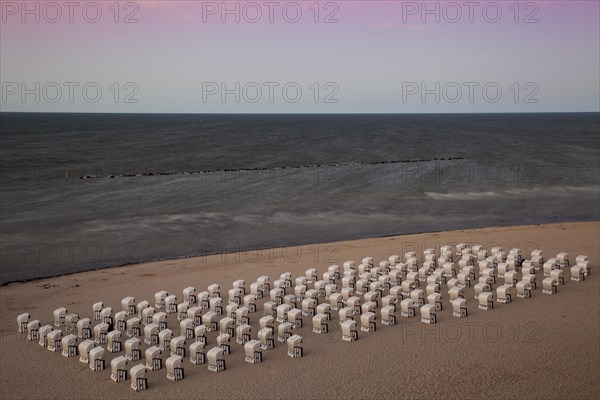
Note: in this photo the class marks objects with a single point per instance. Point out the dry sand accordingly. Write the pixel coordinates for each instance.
(544, 347)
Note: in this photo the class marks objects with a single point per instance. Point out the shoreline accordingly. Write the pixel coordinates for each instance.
(193, 256)
(502, 347)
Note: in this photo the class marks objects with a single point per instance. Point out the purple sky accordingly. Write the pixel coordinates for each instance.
(371, 56)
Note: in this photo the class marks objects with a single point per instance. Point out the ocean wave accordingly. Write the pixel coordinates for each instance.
(554, 191)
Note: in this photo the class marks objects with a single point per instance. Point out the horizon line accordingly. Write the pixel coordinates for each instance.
(301, 113)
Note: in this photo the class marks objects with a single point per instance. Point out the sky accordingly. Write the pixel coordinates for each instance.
(300, 56)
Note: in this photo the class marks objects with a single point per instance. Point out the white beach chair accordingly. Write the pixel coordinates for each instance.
(69, 346)
(349, 331)
(428, 314)
(511, 278)
(216, 359)
(84, 330)
(250, 302)
(308, 307)
(284, 331)
(59, 317)
(134, 327)
(459, 308)
(299, 291)
(558, 275)
(175, 368)
(139, 381)
(96, 308)
(159, 299)
(504, 294)
(177, 346)
(84, 350)
(128, 305)
(96, 359)
(550, 285)
(329, 277)
(195, 314)
(243, 333)
(214, 290)
(121, 320)
(22, 321)
(216, 305)
(524, 289)
(100, 332)
(240, 284)
(324, 309)
(486, 301)
(114, 341)
(133, 350)
(418, 297)
(153, 358)
(203, 299)
(160, 318)
(182, 309)
(264, 281)
(550, 265)
(43, 332)
(198, 353)
(141, 306)
(320, 323)
(171, 304)
(151, 334)
(563, 260)
(577, 273)
(118, 368)
(200, 333)
(354, 302)
(231, 309)
(253, 352)
(388, 315)
(164, 339)
(223, 340)
(295, 348)
(265, 336)
(367, 322)
(294, 317)
(33, 330)
(407, 308)
(227, 325)
(189, 295)
(147, 315)
(106, 315)
(311, 275)
(235, 295)
(435, 299)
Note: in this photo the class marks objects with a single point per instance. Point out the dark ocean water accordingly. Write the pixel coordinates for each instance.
(158, 186)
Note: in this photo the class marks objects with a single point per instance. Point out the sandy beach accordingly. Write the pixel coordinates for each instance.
(546, 347)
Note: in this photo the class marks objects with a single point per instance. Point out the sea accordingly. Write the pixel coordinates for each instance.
(87, 191)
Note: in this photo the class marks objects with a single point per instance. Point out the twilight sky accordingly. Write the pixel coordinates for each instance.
(302, 56)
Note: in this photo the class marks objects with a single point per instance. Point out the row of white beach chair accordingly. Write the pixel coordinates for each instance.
(93, 354)
(357, 299)
(337, 300)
